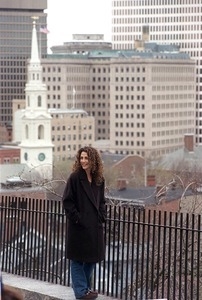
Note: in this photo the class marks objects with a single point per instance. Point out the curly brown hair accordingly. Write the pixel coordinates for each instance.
(95, 160)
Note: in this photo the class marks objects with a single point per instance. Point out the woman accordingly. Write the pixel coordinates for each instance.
(84, 204)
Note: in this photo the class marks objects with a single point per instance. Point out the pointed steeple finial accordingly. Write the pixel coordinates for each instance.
(34, 50)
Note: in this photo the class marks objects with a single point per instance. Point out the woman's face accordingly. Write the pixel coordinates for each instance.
(84, 161)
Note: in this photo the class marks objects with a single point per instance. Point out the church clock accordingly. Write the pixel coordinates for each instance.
(41, 156)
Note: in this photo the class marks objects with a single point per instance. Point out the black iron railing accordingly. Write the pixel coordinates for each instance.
(149, 254)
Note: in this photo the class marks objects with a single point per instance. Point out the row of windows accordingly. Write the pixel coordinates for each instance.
(173, 115)
(172, 88)
(155, 37)
(8, 160)
(131, 134)
(7, 95)
(98, 96)
(165, 133)
(132, 152)
(102, 131)
(52, 69)
(100, 113)
(129, 143)
(173, 97)
(54, 88)
(152, 3)
(129, 125)
(130, 69)
(54, 97)
(101, 122)
(79, 70)
(158, 27)
(20, 62)
(58, 79)
(65, 147)
(99, 87)
(73, 70)
(127, 116)
(199, 123)
(132, 79)
(172, 106)
(73, 137)
(166, 142)
(20, 18)
(130, 88)
(12, 84)
(119, 19)
(99, 79)
(130, 107)
(101, 70)
(14, 72)
(142, 10)
(173, 78)
(172, 123)
(128, 97)
(72, 127)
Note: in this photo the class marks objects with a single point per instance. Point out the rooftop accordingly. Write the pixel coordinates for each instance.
(147, 196)
(150, 50)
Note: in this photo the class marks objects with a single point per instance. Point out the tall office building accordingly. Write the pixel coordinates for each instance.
(15, 48)
(143, 100)
(168, 22)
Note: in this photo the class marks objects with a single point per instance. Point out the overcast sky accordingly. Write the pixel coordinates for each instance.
(66, 17)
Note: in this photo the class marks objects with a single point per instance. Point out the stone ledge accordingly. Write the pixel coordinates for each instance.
(39, 290)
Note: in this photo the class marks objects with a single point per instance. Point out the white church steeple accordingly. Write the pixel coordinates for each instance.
(36, 145)
(34, 50)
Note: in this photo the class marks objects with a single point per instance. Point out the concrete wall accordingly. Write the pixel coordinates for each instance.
(40, 290)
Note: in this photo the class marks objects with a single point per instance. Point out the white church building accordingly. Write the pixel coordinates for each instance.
(36, 144)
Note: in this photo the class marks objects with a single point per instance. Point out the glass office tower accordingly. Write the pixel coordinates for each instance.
(15, 48)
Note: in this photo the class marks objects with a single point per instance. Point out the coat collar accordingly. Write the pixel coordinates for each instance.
(87, 187)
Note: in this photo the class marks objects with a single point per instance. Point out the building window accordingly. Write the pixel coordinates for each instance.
(39, 103)
(41, 132)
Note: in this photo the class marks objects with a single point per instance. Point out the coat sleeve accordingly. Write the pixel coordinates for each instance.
(102, 207)
(70, 201)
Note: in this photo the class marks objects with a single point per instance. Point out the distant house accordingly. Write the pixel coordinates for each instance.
(9, 154)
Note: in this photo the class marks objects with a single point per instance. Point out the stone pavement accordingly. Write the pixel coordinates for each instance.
(40, 290)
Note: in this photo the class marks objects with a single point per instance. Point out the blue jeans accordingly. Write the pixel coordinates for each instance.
(81, 274)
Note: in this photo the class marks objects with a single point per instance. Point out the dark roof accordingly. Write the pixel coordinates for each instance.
(110, 159)
(145, 196)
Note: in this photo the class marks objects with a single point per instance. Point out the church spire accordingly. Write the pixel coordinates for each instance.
(35, 50)
(34, 66)
(36, 144)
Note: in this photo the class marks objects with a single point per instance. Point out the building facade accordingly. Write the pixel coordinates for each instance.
(71, 129)
(9, 155)
(152, 103)
(15, 48)
(82, 81)
(168, 22)
(143, 100)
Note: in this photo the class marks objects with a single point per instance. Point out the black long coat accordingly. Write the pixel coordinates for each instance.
(84, 204)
